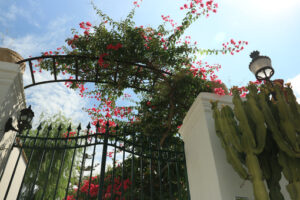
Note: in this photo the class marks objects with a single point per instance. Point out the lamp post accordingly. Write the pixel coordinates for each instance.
(24, 121)
(261, 66)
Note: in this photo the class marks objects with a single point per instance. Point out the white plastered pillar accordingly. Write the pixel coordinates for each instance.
(210, 176)
(12, 100)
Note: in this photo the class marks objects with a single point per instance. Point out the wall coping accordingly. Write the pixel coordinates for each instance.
(204, 99)
(8, 55)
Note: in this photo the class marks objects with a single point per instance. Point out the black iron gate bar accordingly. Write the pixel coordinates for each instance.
(97, 69)
(129, 146)
(67, 146)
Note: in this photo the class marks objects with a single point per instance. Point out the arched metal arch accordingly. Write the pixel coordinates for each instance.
(97, 71)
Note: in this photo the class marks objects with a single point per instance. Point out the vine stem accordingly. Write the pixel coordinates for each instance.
(170, 117)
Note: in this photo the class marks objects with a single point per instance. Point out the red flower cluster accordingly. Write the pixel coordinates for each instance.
(243, 90)
(94, 188)
(257, 82)
(69, 134)
(82, 89)
(136, 3)
(168, 19)
(111, 189)
(219, 91)
(200, 7)
(110, 154)
(101, 61)
(233, 46)
(114, 47)
(71, 41)
(106, 110)
(69, 83)
(86, 26)
(202, 70)
(116, 188)
(70, 197)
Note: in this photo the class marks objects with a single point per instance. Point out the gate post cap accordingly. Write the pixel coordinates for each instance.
(8, 55)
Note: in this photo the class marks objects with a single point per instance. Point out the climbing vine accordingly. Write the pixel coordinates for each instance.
(160, 64)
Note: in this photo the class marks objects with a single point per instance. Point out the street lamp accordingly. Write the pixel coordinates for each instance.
(24, 121)
(261, 66)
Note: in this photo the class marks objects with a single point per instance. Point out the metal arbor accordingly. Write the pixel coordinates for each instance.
(112, 164)
(97, 73)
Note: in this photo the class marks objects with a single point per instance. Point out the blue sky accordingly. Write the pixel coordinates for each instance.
(270, 26)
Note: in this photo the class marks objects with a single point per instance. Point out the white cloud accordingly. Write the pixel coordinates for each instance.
(49, 98)
(265, 8)
(7, 16)
(296, 86)
(26, 45)
(12, 12)
(33, 44)
(53, 98)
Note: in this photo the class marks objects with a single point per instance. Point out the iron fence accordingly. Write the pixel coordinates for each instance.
(98, 163)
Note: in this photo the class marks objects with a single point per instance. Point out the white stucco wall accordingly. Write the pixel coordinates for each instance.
(12, 100)
(16, 181)
(210, 176)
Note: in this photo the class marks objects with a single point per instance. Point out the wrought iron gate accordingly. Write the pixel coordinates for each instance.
(98, 163)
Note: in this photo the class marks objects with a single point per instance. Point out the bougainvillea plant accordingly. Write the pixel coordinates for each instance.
(90, 188)
(160, 64)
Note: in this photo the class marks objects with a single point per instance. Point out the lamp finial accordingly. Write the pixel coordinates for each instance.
(254, 54)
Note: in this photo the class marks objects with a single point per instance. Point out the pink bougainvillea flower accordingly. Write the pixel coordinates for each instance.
(70, 197)
(108, 115)
(114, 47)
(110, 46)
(218, 81)
(82, 25)
(243, 95)
(219, 91)
(101, 61)
(88, 23)
(86, 32)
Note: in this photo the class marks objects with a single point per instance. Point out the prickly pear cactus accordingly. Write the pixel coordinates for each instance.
(243, 139)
